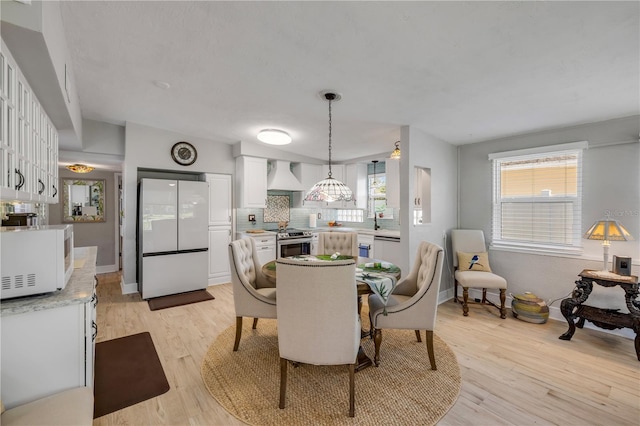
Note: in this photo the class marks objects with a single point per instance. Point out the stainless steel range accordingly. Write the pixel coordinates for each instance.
(292, 242)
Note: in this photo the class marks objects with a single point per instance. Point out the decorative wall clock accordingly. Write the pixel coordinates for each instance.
(184, 153)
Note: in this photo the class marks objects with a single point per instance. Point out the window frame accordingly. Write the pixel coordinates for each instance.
(574, 248)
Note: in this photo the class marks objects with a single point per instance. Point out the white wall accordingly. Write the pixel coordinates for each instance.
(422, 150)
(149, 148)
(611, 182)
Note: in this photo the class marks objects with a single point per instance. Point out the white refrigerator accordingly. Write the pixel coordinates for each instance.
(173, 218)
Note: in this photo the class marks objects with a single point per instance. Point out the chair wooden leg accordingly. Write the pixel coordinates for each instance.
(503, 296)
(238, 333)
(484, 295)
(418, 336)
(465, 299)
(377, 339)
(432, 355)
(455, 291)
(352, 390)
(283, 381)
(255, 323)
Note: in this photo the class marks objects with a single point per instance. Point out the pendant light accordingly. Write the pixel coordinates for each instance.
(330, 189)
(395, 155)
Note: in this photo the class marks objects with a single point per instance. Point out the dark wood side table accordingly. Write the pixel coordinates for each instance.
(573, 309)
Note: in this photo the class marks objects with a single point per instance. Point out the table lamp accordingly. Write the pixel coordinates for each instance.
(607, 230)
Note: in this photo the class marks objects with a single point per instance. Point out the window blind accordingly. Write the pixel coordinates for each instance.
(537, 199)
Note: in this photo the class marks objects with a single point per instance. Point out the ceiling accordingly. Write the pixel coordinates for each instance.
(462, 72)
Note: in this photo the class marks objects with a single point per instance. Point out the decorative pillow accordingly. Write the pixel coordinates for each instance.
(473, 261)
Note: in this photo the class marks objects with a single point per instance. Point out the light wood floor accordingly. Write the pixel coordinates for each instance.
(514, 373)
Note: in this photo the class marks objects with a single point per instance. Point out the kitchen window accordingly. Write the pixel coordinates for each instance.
(377, 192)
(537, 199)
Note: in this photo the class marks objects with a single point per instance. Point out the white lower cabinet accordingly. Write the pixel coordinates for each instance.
(219, 269)
(265, 245)
(47, 351)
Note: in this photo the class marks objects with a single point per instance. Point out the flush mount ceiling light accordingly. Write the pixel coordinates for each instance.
(274, 137)
(79, 168)
(330, 189)
(395, 155)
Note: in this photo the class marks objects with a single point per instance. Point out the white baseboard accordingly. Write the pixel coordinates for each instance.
(554, 312)
(128, 288)
(220, 280)
(105, 269)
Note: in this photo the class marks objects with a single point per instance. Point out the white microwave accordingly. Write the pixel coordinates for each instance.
(35, 259)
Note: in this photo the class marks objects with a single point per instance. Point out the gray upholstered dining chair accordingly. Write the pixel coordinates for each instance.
(345, 243)
(253, 295)
(413, 303)
(318, 320)
(469, 245)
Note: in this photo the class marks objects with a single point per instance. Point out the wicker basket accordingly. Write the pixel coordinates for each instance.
(530, 308)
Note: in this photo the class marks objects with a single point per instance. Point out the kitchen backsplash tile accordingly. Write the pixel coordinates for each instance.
(299, 218)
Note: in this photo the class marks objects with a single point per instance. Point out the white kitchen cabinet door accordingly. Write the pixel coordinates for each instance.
(308, 175)
(44, 352)
(219, 269)
(356, 180)
(26, 174)
(219, 199)
(392, 174)
(251, 182)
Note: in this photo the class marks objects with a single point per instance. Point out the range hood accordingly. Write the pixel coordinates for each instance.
(280, 178)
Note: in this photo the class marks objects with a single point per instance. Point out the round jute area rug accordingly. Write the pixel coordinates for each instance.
(402, 391)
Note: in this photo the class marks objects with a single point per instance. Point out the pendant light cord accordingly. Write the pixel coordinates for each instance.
(330, 138)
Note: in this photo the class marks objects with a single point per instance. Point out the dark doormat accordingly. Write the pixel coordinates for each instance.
(127, 371)
(179, 299)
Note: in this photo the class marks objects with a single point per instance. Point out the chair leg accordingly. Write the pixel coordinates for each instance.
(418, 336)
(238, 333)
(352, 390)
(503, 296)
(255, 323)
(465, 299)
(484, 295)
(432, 355)
(455, 291)
(377, 339)
(283, 381)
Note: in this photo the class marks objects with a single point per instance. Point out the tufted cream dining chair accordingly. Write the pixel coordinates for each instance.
(253, 295)
(318, 320)
(413, 303)
(470, 242)
(345, 243)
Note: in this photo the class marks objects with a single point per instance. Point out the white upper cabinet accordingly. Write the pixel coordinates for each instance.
(219, 199)
(422, 196)
(308, 175)
(356, 180)
(251, 182)
(392, 172)
(28, 140)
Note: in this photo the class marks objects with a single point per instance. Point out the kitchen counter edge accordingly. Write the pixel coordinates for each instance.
(78, 290)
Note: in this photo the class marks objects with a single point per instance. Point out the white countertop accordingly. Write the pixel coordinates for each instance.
(79, 289)
(379, 232)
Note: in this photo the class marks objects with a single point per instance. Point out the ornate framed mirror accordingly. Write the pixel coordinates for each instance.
(83, 200)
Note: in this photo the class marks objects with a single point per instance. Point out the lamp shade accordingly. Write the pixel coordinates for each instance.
(395, 155)
(608, 230)
(329, 190)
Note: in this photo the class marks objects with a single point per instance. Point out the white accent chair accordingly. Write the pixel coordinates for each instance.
(318, 320)
(69, 407)
(345, 243)
(469, 241)
(413, 303)
(253, 295)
